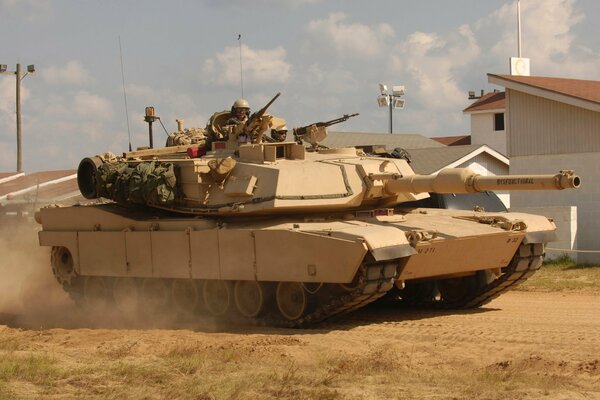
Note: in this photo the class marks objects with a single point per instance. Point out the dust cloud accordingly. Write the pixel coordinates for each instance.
(28, 290)
(31, 298)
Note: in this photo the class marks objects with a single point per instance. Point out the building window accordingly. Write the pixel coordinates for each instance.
(499, 122)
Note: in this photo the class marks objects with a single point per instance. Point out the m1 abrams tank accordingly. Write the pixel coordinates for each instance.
(285, 235)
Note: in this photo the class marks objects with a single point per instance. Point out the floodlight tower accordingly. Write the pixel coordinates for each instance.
(20, 77)
(391, 99)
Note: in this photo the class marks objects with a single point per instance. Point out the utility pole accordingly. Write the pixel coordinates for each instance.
(19, 78)
(19, 137)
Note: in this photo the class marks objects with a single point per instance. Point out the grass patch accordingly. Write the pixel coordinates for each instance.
(39, 371)
(563, 274)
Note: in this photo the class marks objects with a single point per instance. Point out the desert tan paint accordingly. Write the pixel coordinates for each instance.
(282, 213)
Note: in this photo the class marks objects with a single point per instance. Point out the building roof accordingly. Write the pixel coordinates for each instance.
(487, 102)
(453, 140)
(9, 176)
(39, 188)
(431, 160)
(577, 92)
(390, 141)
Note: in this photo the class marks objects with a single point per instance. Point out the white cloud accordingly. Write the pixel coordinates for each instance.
(8, 94)
(548, 38)
(351, 40)
(430, 63)
(72, 73)
(259, 66)
(92, 106)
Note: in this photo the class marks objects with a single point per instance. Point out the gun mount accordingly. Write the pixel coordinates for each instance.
(256, 125)
(315, 133)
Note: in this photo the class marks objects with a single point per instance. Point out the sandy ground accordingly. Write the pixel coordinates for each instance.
(527, 345)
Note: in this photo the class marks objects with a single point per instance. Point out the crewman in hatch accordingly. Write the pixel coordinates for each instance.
(240, 111)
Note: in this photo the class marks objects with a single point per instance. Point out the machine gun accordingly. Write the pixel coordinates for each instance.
(255, 126)
(315, 133)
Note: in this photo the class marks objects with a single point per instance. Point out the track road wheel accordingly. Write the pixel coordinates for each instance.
(455, 290)
(417, 292)
(217, 297)
(155, 293)
(186, 295)
(291, 300)
(249, 298)
(62, 265)
(126, 294)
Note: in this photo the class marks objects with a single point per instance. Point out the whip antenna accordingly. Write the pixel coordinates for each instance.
(124, 93)
(241, 70)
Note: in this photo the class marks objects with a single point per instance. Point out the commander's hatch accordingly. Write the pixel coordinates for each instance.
(271, 152)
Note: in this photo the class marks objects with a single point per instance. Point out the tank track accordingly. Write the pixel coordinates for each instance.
(371, 282)
(526, 261)
(374, 281)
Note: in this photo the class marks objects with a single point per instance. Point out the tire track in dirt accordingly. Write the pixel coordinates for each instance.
(518, 322)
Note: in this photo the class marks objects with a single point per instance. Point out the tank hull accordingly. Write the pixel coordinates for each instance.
(301, 269)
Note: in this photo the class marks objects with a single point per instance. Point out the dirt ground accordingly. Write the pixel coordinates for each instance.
(523, 345)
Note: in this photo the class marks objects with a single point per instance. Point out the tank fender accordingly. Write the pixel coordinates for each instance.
(383, 242)
(300, 256)
(539, 228)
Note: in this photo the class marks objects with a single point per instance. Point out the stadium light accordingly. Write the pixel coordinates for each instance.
(391, 100)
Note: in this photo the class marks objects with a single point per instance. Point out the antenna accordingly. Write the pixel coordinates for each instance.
(241, 70)
(124, 93)
(519, 28)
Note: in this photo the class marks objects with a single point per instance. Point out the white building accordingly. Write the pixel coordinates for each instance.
(488, 122)
(554, 124)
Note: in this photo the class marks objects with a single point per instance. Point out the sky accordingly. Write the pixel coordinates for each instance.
(326, 58)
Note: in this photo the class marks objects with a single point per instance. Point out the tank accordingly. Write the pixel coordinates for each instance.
(283, 234)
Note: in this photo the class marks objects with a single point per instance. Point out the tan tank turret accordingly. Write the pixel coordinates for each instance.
(286, 235)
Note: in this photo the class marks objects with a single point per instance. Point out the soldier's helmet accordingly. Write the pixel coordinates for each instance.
(240, 106)
(279, 135)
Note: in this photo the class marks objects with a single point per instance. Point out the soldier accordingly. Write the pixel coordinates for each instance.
(240, 111)
(220, 124)
(279, 135)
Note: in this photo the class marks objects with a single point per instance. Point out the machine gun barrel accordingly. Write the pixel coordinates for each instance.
(464, 180)
(298, 132)
(257, 115)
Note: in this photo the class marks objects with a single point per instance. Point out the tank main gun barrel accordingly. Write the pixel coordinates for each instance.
(464, 180)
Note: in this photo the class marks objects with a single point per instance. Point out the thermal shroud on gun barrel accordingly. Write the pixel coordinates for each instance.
(464, 180)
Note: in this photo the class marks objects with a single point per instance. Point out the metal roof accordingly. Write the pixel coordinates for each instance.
(390, 141)
(38, 188)
(489, 101)
(431, 160)
(576, 92)
(453, 140)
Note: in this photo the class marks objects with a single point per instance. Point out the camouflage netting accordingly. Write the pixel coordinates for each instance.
(149, 183)
(187, 136)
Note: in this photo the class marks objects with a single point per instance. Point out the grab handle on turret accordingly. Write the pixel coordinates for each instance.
(464, 180)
